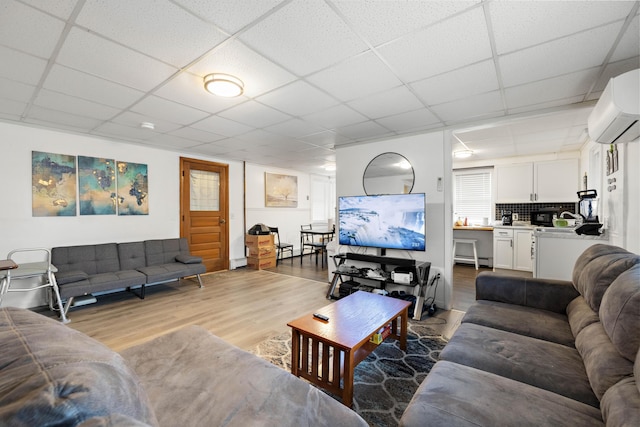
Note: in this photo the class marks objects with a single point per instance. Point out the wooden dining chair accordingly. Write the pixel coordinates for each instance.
(306, 240)
(281, 247)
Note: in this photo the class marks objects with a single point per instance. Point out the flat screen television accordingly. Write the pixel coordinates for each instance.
(390, 221)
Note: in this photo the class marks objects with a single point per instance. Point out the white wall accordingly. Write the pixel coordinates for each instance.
(430, 157)
(19, 229)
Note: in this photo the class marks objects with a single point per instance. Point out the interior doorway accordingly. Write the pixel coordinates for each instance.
(204, 209)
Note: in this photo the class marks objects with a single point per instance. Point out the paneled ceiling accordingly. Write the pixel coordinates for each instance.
(317, 74)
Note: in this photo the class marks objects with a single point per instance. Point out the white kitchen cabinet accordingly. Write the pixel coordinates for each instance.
(512, 249)
(502, 248)
(548, 181)
(522, 252)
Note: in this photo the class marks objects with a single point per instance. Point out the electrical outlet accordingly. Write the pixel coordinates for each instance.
(515, 216)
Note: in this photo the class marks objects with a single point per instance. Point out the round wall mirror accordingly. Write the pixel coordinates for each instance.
(388, 173)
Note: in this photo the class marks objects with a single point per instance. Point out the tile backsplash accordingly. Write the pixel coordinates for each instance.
(524, 209)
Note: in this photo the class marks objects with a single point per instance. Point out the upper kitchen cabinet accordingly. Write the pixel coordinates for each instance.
(549, 181)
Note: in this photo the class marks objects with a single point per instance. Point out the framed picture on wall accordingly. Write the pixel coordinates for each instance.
(97, 186)
(281, 190)
(133, 188)
(53, 184)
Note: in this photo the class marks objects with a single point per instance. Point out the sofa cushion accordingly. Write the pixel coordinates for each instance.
(536, 323)
(51, 374)
(171, 271)
(458, 395)
(196, 378)
(597, 267)
(620, 312)
(580, 315)
(604, 365)
(543, 364)
(131, 255)
(70, 276)
(164, 250)
(92, 259)
(188, 259)
(621, 404)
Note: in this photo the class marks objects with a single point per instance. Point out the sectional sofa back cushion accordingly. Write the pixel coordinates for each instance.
(597, 267)
(621, 403)
(51, 374)
(91, 259)
(164, 251)
(131, 255)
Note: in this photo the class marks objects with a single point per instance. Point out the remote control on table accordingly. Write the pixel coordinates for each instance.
(321, 317)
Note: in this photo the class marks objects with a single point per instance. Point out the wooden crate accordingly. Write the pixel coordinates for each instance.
(261, 263)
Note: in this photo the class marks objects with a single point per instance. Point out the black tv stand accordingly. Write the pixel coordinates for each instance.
(420, 270)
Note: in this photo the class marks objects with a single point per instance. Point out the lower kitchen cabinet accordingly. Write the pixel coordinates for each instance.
(512, 249)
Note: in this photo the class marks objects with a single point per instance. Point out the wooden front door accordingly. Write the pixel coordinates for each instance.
(204, 209)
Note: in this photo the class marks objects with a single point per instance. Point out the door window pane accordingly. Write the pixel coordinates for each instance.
(204, 190)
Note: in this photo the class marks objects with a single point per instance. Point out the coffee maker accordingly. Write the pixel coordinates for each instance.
(507, 217)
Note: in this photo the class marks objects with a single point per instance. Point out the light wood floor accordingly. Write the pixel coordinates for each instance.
(241, 306)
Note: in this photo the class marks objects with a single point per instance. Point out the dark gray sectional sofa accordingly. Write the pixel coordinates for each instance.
(87, 269)
(534, 352)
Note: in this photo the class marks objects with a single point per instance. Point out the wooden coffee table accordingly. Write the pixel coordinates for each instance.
(326, 352)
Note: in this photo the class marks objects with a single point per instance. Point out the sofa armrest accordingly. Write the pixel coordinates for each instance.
(71, 276)
(188, 259)
(545, 294)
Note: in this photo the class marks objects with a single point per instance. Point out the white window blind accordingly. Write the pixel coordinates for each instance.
(472, 195)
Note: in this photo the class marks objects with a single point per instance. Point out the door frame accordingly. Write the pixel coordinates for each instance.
(224, 196)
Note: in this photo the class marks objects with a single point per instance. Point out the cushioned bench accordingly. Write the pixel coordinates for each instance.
(87, 269)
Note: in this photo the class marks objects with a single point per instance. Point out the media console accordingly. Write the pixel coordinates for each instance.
(382, 277)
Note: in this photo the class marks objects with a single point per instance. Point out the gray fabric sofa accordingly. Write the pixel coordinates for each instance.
(52, 375)
(88, 269)
(543, 352)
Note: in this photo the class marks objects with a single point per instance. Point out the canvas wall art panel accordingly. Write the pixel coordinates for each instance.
(281, 190)
(133, 188)
(53, 184)
(96, 186)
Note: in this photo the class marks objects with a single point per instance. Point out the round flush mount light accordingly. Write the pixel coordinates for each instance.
(462, 154)
(223, 85)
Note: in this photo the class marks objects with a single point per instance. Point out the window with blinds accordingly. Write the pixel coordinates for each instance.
(472, 195)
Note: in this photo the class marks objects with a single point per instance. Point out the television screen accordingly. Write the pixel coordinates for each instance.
(394, 221)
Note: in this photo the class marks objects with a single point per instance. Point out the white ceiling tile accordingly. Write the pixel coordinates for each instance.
(364, 130)
(15, 91)
(334, 117)
(222, 126)
(28, 29)
(94, 55)
(304, 37)
(545, 105)
(171, 141)
(472, 107)
(566, 55)
(258, 74)
(196, 135)
(294, 128)
(154, 106)
(354, 78)
(20, 67)
(613, 70)
(517, 25)
(566, 86)
(327, 139)
(75, 83)
(233, 144)
(188, 89)
(298, 99)
(389, 103)
(134, 120)
(382, 21)
(72, 105)
(12, 110)
(440, 48)
(157, 28)
(60, 8)
(116, 130)
(229, 15)
(629, 46)
(458, 84)
(209, 149)
(254, 114)
(39, 114)
(410, 121)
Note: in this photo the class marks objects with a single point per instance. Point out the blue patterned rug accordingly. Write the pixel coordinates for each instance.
(386, 380)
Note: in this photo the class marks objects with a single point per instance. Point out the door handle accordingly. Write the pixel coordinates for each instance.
(223, 221)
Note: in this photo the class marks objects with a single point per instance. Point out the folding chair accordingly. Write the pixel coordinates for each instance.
(281, 247)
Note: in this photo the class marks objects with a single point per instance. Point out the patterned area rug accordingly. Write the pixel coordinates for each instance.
(386, 380)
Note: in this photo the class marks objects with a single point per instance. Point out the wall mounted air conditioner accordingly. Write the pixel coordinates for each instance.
(615, 117)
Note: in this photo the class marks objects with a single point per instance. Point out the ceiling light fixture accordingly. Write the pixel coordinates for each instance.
(147, 125)
(330, 168)
(462, 154)
(223, 85)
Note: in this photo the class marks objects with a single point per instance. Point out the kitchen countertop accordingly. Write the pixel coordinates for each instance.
(473, 227)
